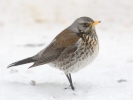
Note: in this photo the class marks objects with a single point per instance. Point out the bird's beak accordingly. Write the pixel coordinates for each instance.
(91, 25)
(95, 23)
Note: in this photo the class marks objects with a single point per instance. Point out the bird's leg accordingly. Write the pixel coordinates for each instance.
(70, 81)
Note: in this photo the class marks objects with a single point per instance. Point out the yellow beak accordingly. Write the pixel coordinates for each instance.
(95, 23)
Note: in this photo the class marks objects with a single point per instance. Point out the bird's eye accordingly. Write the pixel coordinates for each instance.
(86, 24)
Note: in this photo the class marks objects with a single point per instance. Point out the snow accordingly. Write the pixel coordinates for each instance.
(27, 26)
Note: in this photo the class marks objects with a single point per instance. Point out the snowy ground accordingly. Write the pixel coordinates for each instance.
(27, 26)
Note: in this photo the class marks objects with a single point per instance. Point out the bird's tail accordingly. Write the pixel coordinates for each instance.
(21, 62)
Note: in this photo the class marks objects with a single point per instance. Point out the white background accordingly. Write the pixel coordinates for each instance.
(27, 26)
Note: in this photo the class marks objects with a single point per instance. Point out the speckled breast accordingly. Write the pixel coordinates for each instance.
(84, 55)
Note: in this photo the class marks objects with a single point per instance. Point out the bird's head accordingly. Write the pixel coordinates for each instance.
(84, 25)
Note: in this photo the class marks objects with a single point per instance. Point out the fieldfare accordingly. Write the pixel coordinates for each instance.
(71, 50)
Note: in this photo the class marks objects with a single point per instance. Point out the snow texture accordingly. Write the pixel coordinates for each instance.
(27, 26)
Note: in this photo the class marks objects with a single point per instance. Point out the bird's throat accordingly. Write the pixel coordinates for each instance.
(88, 38)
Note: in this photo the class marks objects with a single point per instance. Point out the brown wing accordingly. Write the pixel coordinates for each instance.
(63, 41)
(47, 55)
(66, 38)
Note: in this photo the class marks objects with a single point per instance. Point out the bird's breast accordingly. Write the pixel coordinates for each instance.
(85, 54)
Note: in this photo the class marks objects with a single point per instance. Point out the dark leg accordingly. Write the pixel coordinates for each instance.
(70, 81)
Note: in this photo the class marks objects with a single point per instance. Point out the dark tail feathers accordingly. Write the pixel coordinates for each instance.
(24, 61)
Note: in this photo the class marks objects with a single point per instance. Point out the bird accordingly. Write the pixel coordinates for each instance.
(71, 50)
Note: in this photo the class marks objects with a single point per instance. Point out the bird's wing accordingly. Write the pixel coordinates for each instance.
(64, 41)
(66, 38)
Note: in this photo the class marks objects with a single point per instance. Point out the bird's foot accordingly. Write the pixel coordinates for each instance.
(72, 87)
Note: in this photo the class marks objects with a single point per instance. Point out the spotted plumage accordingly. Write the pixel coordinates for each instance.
(71, 50)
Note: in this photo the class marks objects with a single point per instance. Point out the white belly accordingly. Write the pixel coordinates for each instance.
(84, 62)
(79, 61)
